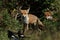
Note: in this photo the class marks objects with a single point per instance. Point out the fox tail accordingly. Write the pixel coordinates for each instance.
(40, 25)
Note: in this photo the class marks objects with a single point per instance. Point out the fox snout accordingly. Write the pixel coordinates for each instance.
(23, 17)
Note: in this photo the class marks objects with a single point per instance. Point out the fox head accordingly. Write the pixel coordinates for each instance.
(48, 15)
(24, 12)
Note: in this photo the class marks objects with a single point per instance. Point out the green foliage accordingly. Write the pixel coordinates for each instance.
(0, 3)
(9, 21)
(3, 35)
(9, 24)
(53, 27)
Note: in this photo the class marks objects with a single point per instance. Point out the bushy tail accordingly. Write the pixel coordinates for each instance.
(40, 25)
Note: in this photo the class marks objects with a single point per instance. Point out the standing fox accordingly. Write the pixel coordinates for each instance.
(28, 19)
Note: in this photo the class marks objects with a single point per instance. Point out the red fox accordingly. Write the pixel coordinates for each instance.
(48, 15)
(28, 19)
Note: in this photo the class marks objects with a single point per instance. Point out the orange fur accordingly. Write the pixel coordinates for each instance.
(48, 15)
(32, 19)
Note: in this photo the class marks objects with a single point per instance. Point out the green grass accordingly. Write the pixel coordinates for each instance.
(34, 36)
(3, 35)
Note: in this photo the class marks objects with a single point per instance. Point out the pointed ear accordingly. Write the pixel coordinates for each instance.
(21, 11)
(28, 10)
(20, 8)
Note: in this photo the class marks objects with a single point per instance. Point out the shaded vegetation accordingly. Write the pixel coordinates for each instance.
(9, 23)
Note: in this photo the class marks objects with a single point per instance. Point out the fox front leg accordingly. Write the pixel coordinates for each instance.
(25, 28)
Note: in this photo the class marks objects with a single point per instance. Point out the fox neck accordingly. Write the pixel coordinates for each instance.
(26, 19)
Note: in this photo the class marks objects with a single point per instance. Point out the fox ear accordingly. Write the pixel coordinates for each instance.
(20, 7)
(28, 10)
(20, 10)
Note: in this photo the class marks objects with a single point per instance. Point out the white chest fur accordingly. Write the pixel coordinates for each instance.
(25, 19)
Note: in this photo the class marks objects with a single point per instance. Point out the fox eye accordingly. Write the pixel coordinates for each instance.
(21, 13)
